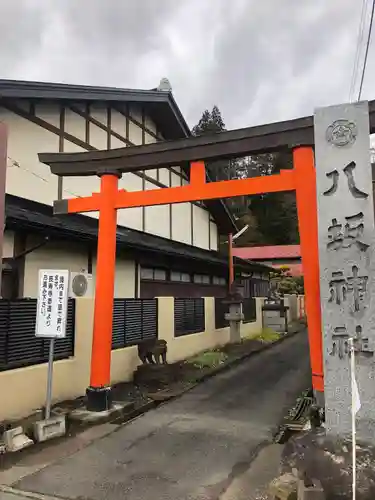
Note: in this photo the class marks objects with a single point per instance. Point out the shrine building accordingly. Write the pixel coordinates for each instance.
(169, 250)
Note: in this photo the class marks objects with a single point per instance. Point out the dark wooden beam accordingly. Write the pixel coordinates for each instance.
(87, 123)
(126, 113)
(109, 126)
(61, 150)
(101, 125)
(235, 143)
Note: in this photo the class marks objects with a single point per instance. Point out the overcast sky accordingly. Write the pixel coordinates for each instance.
(258, 60)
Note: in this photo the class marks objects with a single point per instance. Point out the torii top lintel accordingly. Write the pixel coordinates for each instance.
(224, 145)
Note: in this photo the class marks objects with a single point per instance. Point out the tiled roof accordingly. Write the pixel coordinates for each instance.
(36, 217)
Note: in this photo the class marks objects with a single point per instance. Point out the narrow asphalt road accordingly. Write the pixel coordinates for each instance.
(192, 448)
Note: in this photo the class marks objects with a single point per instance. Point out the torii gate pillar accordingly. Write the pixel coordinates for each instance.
(99, 392)
(305, 180)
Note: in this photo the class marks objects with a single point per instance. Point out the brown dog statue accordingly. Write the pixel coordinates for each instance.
(152, 351)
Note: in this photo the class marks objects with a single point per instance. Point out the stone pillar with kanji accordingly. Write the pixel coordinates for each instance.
(347, 263)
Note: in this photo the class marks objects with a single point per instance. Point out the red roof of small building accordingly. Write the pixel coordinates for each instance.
(268, 252)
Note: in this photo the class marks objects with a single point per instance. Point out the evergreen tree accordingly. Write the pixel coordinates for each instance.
(217, 119)
(272, 217)
(275, 213)
(209, 123)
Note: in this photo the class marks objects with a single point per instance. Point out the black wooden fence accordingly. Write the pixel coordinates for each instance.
(18, 345)
(134, 320)
(220, 310)
(189, 316)
(249, 310)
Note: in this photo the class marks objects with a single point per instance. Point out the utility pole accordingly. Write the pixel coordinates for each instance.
(232, 238)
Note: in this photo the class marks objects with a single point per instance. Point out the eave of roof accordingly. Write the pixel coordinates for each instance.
(36, 217)
(62, 91)
(161, 105)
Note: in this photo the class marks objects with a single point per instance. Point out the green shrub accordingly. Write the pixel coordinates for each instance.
(267, 335)
(208, 359)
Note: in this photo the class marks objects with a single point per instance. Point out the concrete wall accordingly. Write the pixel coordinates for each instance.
(23, 390)
(296, 305)
(301, 306)
(291, 302)
(183, 347)
(295, 312)
(29, 179)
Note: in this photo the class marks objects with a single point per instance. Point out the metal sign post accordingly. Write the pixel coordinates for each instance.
(49, 378)
(51, 317)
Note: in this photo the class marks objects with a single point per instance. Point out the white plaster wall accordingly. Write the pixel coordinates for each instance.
(164, 176)
(181, 222)
(118, 123)
(157, 218)
(130, 217)
(176, 179)
(213, 236)
(74, 187)
(117, 143)
(99, 112)
(26, 176)
(98, 137)
(150, 124)
(74, 257)
(135, 132)
(71, 256)
(200, 227)
(149, 139)
(85, 186)
(75, 124)
(124, 277)
(153, 173)
(49, 112)
(135, 112)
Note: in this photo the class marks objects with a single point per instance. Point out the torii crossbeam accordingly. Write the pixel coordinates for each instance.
(109, 166)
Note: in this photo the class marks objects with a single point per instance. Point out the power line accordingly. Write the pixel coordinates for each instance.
(367, 49)
(358, 49)
(16, 164)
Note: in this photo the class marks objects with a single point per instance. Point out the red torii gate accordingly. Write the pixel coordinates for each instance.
(109, 166)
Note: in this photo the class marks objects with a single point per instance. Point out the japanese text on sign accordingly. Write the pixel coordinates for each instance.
(347, 290)
(346, 243)
(52, 303)
(350, 289)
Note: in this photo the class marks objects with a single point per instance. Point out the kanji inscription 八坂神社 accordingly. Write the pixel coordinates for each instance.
(347, 264)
